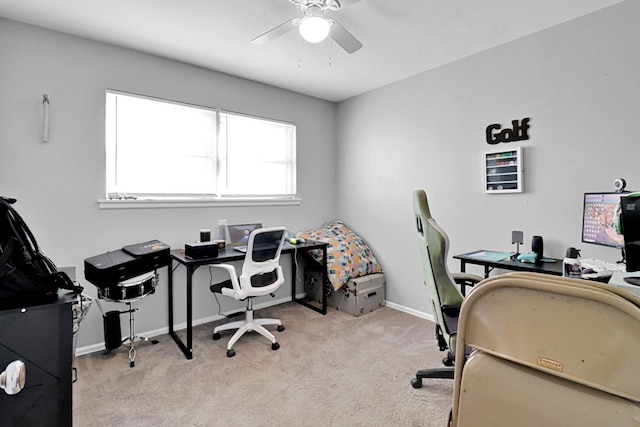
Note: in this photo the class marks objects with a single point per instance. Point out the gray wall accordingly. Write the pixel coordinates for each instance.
(580, 85)
(578, 82)
(58, 183)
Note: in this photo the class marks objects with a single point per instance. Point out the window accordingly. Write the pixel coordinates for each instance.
(158, 149)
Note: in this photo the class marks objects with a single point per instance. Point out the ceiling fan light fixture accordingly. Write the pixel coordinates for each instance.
(314, 29)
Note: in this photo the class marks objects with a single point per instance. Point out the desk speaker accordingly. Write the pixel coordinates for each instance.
(201, 250)
(537, 246)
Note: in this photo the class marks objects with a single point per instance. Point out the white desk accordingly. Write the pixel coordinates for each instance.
(617, 279)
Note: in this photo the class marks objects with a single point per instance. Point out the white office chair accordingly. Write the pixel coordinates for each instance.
(261, 275)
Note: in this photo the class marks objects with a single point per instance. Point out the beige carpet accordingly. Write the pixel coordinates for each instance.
(333, 370)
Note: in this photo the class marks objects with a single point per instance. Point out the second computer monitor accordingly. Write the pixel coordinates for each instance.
(600, 215)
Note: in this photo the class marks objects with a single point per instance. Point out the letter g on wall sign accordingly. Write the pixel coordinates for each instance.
(518, 132)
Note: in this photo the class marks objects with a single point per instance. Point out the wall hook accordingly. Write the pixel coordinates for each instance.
(45, 117)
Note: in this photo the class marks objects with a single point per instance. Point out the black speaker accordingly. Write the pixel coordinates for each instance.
(538, 247)
(112, 332)
(201, 250)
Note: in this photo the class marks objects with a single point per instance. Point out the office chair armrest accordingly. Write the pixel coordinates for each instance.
(472, 279)
(465, 279)
(234, 292)
(452, 311)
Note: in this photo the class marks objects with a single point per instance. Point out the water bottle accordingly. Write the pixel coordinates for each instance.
(223, 232)
(571, 265)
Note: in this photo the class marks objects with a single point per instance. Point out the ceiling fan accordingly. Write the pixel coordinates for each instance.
(313, 26)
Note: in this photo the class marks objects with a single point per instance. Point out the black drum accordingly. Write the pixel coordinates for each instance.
(131, 289)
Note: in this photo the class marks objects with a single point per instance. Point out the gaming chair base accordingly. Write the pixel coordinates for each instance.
(442, 373)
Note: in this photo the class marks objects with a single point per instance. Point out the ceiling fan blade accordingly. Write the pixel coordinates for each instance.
(276, 32)
(344, 38)
(345, 3)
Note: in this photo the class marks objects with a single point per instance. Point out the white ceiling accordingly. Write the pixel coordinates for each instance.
(401, 37)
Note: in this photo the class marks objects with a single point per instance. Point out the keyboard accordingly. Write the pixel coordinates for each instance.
(599, 265)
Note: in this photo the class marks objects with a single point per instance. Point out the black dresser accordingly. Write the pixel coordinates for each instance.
(41, 337)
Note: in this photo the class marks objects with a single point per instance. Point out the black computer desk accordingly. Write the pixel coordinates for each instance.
(554, 268)
(228, 255)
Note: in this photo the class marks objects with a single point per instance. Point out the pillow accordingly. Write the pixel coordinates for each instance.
(348, 255)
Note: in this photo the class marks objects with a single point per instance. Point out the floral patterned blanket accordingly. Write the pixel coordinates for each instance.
(348, 255)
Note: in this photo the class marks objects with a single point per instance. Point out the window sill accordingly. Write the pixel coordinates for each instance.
(194, 203)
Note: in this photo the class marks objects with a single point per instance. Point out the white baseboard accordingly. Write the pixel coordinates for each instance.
(408, 310)
(179, 326)
(165, 330)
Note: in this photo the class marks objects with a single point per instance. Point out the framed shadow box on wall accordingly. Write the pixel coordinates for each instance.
(502, 170)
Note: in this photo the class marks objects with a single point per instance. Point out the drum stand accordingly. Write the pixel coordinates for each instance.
(133, 339)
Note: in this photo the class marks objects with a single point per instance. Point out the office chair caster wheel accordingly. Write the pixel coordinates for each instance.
(275, 346)
(231, 352)
(155, 342)
(216, 336)
(447, 362)
(416, 383)
(280, 328)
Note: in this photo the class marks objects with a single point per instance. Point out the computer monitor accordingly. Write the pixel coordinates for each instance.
(239, 233)
(599, 219)
(630, 217)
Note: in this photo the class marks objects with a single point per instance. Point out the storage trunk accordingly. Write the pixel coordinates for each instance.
(359, 296)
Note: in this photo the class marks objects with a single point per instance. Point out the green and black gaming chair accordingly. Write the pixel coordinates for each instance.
(445, 296)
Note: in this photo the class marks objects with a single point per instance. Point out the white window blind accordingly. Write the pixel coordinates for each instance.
(158, 149)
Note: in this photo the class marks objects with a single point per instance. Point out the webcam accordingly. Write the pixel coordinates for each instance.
(619, 184)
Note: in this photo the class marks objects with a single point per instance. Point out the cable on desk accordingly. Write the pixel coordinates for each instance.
(295, 260)
(214, 294)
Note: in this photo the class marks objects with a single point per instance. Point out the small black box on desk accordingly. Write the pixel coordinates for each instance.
(201, 250)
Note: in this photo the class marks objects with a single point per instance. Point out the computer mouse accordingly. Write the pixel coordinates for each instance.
(588, 271)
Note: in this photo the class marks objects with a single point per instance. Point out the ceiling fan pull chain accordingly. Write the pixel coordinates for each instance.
(299, 51)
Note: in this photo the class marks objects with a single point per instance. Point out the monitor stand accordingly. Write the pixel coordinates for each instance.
(633, 280)
(624, 257)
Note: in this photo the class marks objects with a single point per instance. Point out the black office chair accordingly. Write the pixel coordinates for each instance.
(445, 297)
(261, 275)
